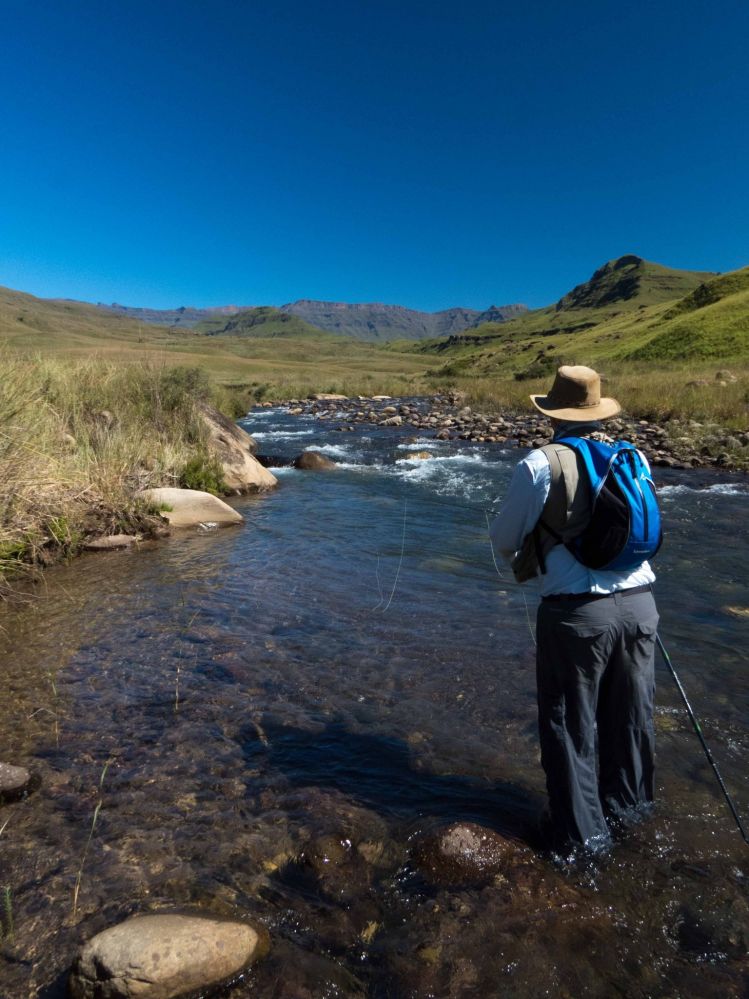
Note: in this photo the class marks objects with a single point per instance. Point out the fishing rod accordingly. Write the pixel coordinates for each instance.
(700, 736)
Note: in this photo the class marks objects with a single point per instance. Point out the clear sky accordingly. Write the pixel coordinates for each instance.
(430, 154)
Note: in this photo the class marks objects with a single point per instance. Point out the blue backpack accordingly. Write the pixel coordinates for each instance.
(625, 522)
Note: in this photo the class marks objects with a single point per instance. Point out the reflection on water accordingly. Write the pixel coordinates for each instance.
(276, 738)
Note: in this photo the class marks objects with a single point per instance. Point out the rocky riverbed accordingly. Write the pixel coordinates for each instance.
(677, 444)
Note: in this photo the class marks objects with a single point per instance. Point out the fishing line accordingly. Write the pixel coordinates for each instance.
(701, 737)
(379, 584)
(400, 561)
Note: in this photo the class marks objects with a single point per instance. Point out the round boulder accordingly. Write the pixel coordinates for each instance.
(163, 956)
(463, 852)
(14, 782)
(313, 461)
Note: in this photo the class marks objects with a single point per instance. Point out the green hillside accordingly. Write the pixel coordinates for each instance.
(264, 321)
(30, 322)
(630, 309)
(630, 282)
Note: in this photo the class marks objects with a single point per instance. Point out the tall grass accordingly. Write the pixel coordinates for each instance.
(78, 439)
(683, 392)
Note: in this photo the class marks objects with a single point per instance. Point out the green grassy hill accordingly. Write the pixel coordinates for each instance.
(30, 322)
(264, 321)
(630, 309)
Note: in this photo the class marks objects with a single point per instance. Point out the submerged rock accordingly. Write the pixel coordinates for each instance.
(313, 461)
(464, 852)
(14, 782)
(163, 956)
(191, 507)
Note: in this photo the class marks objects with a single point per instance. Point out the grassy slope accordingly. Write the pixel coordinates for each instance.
(711, 321)
(308, 359)
(264, 321)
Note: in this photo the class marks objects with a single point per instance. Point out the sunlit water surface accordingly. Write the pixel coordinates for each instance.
(274, 712)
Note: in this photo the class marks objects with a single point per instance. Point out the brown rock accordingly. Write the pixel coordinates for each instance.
(14, 782)
(464, 852)
(313, 461)
(163, 956)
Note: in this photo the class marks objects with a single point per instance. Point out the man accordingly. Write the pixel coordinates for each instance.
(595, 631)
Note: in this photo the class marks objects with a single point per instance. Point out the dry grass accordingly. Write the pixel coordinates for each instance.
(77, 439)
(660, 395)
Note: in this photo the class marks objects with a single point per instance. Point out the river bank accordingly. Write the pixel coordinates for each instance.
(81, 443)
(675, 444)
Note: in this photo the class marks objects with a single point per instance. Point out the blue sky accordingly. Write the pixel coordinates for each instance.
(423, 153)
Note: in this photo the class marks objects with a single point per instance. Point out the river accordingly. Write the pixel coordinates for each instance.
(271, 715)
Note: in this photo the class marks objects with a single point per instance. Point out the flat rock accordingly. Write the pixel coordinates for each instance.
(110, 542)
(13, 781)
(164, 956)
(191, 507)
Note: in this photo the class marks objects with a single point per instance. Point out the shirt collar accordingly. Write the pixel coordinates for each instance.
(576, 428)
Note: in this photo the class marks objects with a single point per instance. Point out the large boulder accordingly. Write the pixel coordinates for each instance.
(313, 461)
(163, 956)
(235, 450)
(191, 507)
(464, 852)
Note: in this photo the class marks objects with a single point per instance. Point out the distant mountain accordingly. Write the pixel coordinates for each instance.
(373, 322)
(378, 322)
(630, 279)
(186, 316)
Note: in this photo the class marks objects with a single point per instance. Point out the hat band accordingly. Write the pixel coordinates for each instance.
(570, 405)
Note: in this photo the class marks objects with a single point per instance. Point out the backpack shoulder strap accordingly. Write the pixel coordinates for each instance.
(563, 491)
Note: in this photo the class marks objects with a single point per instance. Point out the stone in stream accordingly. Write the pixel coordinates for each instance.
(163, 956)
(191, 507)
(111, 542)
(14, 782)
(313, 461)
(464, 852)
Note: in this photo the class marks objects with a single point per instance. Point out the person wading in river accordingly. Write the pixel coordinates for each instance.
(596, 631)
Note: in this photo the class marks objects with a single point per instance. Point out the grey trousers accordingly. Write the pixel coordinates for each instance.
(595, 679)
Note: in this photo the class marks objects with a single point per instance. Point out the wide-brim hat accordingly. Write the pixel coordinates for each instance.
(576, 395)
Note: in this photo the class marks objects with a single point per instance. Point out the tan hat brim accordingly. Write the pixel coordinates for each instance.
(582, 414)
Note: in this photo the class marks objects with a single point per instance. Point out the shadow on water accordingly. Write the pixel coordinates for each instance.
(377, 772)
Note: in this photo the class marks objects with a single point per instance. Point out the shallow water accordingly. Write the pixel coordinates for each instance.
(281, 708)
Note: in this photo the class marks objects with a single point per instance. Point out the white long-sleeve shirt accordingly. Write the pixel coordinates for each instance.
(518, 516)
